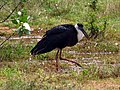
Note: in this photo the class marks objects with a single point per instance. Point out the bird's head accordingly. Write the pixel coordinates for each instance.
(80, 27)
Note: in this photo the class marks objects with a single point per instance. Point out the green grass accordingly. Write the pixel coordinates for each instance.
(17, 72)
(32, 75)
(49, 13)
(17, 50)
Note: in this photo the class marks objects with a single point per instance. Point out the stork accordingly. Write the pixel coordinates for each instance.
(59, 37)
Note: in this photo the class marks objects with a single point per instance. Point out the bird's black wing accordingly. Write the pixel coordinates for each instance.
(56, 30)
(59, 29)
(57, 37)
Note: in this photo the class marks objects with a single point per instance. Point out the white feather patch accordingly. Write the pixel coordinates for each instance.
(80, 35)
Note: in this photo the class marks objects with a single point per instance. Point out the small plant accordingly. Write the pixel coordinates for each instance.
(94, 23)
(21, 20)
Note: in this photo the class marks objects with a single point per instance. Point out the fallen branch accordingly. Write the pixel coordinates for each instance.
(22, 37)
(18, 38)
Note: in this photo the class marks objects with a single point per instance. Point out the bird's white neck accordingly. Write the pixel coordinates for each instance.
(80, 34)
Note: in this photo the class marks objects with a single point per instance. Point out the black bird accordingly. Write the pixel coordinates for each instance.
(59, 37)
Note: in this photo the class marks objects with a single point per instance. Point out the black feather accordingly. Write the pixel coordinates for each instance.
(58, 37)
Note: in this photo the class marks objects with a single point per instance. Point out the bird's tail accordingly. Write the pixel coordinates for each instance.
(42, 46)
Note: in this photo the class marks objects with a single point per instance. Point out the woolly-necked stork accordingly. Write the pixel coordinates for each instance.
(59, 37)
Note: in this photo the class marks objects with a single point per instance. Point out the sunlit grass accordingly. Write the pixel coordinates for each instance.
(18, 72)
(31, 75)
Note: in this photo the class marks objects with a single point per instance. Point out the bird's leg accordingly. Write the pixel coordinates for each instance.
(68, 60)
(61, 55)
(56, 58)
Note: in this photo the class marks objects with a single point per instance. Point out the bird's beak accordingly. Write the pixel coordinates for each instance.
(86, 35)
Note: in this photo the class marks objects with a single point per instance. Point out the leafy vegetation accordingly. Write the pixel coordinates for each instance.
(21, 20)
(97, 25)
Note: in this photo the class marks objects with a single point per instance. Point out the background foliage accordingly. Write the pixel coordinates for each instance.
(52, 12)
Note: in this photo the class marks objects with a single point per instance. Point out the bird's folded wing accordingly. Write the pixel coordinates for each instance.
(56, 30)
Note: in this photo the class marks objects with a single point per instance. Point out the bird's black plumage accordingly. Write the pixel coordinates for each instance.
(58, 37)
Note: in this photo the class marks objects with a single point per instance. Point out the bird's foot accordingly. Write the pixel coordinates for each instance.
(63, 58)
(70, 61)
